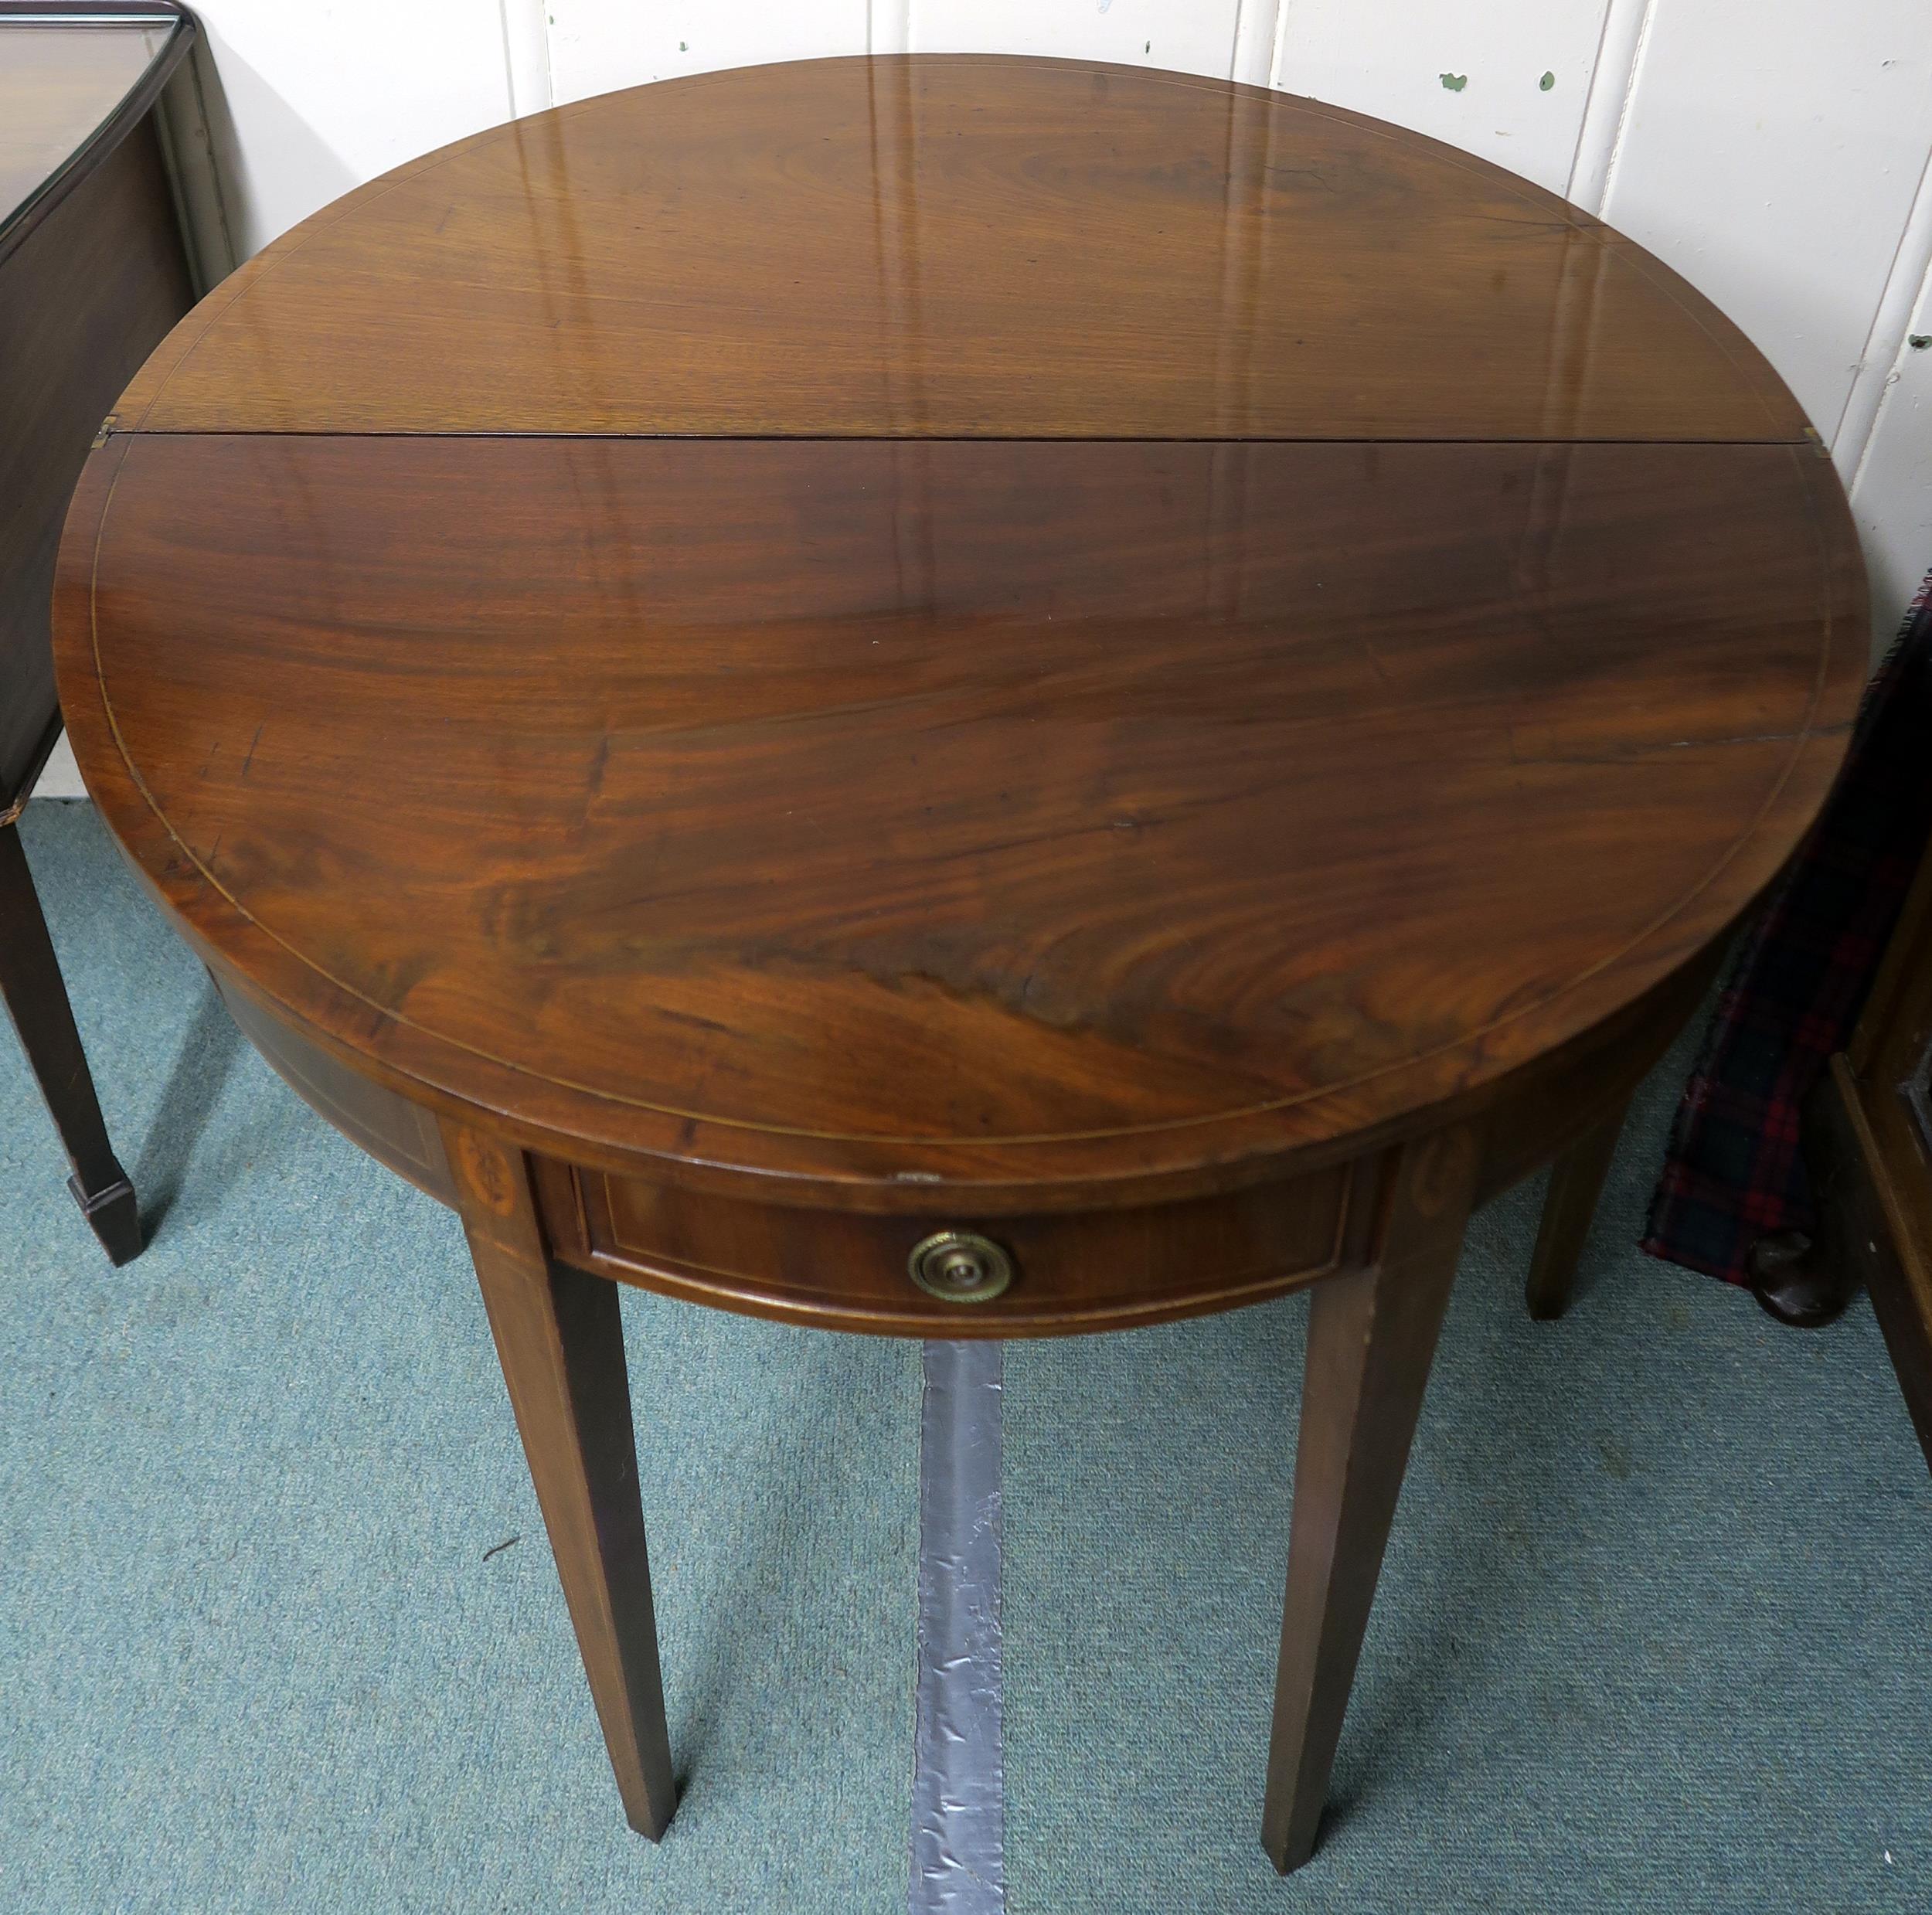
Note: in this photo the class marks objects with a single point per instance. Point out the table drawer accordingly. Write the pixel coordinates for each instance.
(1070, 1271)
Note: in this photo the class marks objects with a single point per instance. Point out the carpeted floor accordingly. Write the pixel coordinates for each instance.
(1653, 1634)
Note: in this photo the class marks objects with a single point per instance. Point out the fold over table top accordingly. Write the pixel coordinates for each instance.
(1036, 629)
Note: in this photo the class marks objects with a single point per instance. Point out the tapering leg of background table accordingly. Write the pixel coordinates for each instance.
(561, 1344)
(37, 997)
(1371, 1336)
(1576, 1182)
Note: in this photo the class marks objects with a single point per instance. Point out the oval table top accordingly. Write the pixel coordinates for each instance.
(881, 628)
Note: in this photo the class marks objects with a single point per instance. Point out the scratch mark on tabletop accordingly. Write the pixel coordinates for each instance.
(252, 744)
(1321, 176)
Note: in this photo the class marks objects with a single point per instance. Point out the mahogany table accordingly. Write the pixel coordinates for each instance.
(93, 273)
(962, 697)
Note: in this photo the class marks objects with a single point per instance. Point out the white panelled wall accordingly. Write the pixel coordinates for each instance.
(1774, 152)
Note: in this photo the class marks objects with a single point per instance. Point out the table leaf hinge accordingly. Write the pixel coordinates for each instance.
(106, 426)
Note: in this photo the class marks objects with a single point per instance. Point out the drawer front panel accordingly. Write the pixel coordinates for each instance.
(1071, 1271)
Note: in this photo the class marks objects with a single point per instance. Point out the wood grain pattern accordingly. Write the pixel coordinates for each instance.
(1372, 1336)
(392, 1130)
(995, 817)
(1112, 1268)
(952, 246)
(1119, 1266)
(561, 1339)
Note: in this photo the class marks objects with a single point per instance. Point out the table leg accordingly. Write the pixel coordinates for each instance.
(561, 1344)
(1576, 1182)
(36, 999)
(1371, 1336)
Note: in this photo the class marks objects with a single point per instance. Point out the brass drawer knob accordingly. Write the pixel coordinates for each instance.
(959, 1267)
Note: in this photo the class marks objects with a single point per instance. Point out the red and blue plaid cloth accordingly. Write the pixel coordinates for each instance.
(1805, 962)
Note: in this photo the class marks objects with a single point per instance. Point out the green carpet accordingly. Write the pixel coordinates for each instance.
(1653, 1634)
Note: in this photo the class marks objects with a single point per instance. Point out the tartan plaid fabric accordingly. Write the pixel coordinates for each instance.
(1733, 1172)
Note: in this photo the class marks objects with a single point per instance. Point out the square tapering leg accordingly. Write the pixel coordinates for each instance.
(36, 999)
(1576, 1183)
(560, 1341)
(1371, 1336)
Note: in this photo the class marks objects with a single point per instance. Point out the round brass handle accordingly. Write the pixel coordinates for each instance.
(959, 1267)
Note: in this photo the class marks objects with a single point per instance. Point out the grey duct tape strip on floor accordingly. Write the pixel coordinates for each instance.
(959, 1810)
